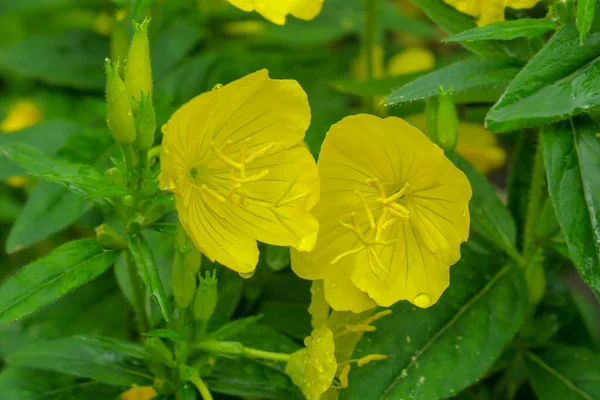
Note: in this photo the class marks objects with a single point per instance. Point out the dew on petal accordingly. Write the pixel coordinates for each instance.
(247, 275)
(422, 300)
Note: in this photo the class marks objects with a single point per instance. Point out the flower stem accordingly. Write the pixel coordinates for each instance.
(239, 350)
(266, 355)
(137, 290)
(202, 388)
(370, 44)
(534, 205)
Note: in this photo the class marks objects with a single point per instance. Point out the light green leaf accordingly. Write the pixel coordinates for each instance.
(489, 216)
(564, 373)
(80, 178)
(585, 16)
(437, 352)
(467, 79)
(51, 277)
(110, 361)
(557, 83)
(148, 270)
(506, 30)
(453, 22)
(573, 169)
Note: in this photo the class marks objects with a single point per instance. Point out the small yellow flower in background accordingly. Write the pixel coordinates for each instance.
(139, 393)
(411, 60)
(22, 114)
(313, 368)
(276, 11)
(475, 143)
(393, 214)
(489, 11)
(245, 28)
(235, 160)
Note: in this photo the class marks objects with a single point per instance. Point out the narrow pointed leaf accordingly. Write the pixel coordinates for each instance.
(51, 277)
(437, 352)
(110, 361)
(148, 270)
(573, 169)
(585, 16)
(506, 30)
(466, 78)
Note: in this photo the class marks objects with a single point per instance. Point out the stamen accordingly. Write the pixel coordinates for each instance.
(398, 210)
(369, 358)
(346, 254)
(213, 194)
(258, 153)
(377, 316)
(376, 183)
(224, 158)
(361, 328)
(396, 196)
(366, 207)
(251, 178)
(371, 252)
(344, 376)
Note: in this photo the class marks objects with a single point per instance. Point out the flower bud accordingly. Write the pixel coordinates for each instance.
(138, 74)
(206, 297)
(145, 123)
(109, 238)
(442, 121)
(120, 115)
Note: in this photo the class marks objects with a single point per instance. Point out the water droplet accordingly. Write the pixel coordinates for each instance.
(422, 300)
(163, 129)
(247, 275)
(333, 285)
(217, 86)
(166, 148)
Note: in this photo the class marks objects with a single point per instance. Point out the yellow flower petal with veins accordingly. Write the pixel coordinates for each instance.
(393, 214)
(235, 160)
(276, 11)
(489, 11)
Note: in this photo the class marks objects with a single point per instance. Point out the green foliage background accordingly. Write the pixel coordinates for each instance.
(519, 320)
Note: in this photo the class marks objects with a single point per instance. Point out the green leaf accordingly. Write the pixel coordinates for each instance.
(49, 209)
(277, 257)
(437, 352)
(585, 16)
(20, 383)
(48, 137)
(564, 373)
(148, 270)
(249, 379)
(9, 208)
(80, 178)
(73, 59)
(51, 277)
(489, 216)
(110, 361)
(375, 87)
(453, 22)
(556, 83)
(506, 30)
(467, 78)
(573, 169)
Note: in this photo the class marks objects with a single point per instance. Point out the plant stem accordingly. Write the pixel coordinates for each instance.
(534, 205)
(370, 44)
(239, 350)
(202, 388)
(266, 355)
(137, 290)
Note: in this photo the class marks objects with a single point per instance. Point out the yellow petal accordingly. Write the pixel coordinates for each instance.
(205, 221)
(491, 11)
(139, 393)
(414, 273)
(411, 60)
(341, 292)
(276, 207)
(277, 10)
(520, 4)
(22, 114)
(469, 7)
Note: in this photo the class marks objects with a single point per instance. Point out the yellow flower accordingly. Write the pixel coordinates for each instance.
(313, 368)
(411, 60)
(139, 393)
(22, 114)
(235, 160)
(488, 11)
(393, 214)
(475, 143)
(276, 11)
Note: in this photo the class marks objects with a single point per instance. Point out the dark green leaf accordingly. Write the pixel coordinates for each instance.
(506, 30)
(489, 216)
(49, 209)
(148, 270)
(80, 178)
(17, 383)
(47, 136)
(435, 353)
(233, 328)
(110, 361)
(585, 16)
(453, 22)
(564, 373)
(248, 379)
(9, 208)
(51, 277)
(573, 169)
(73, 59)
(468, 77)
(556, 83)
